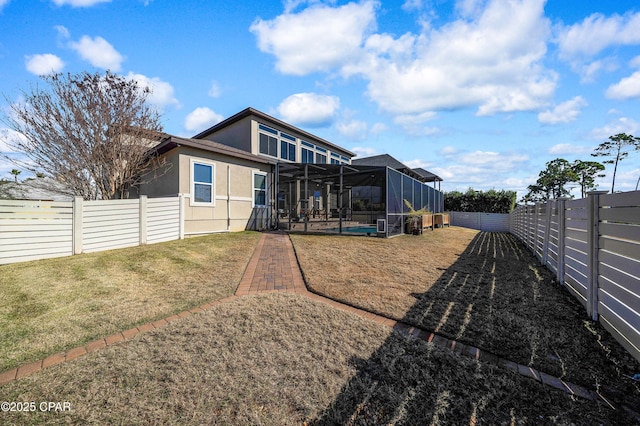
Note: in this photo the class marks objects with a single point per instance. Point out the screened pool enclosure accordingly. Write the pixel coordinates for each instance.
(352, 199)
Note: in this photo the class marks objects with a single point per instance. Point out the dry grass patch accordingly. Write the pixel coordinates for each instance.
(282, 359)
(484, 289)
(52, 305)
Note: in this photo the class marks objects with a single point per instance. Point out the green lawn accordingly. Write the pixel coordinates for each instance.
(54, 305)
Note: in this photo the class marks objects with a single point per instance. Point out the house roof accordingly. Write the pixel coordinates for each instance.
(172, 142)
(427, 175)
(40, 189)
(269, 119)
(385, 160)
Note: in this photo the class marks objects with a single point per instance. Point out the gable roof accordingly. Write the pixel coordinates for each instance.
(172, 142)
(247, 112)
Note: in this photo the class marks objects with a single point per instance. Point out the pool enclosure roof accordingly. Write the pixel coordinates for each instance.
(385, 160)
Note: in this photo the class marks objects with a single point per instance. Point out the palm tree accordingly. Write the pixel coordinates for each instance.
(15, 173)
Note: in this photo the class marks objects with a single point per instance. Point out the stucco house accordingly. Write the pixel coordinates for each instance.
(226, 173)
(251, 171)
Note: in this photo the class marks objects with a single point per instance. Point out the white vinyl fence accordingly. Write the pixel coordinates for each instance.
(489, 222)
(593, 247)
(31, 230)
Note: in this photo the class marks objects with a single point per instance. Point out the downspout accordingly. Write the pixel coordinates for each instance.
(228, 197)
(276, 223)
(306, 194)
(340, 203)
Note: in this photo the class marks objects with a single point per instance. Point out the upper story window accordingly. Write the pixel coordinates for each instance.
(282, 145)
(321, 158)
(268, 145)
(202, 183)
(307, 155)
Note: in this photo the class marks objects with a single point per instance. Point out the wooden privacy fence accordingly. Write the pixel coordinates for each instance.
(31, 230)
(593, 247)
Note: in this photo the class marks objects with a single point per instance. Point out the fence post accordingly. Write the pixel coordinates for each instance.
(77, 225)
(537, 233)
(181, 199)
(593, 234)
(547, 232)
(143, 219)
(561, 228)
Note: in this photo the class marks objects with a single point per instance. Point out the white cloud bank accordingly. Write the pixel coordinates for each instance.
(162, 93)
(79, 3)
(563, 113)
(598, 32)
(201, 119)
(98, 52)
(490, 59)
(43, 64)
(318, 38)
(309, 109)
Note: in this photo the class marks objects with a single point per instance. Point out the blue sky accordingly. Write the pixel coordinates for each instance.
(482, 93)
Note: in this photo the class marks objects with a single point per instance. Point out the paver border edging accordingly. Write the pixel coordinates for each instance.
(462, 348)
(242, 290)
(60, 357)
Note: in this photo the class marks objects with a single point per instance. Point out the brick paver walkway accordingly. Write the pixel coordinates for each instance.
(273, 267)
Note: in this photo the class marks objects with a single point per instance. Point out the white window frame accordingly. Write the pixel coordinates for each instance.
(192, 183)
(253, 189)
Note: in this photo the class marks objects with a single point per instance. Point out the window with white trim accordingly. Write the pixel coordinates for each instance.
(268, 145)
(259, 189)
(202, 183)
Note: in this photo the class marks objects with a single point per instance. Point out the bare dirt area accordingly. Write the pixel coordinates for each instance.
(483, 289)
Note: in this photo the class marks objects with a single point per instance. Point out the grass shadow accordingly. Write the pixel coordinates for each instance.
(498, 297)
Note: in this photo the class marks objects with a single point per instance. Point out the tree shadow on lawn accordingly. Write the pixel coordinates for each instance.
(497, 297)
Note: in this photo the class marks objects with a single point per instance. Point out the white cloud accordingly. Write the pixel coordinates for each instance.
(627, 88)
(563, 113)
(309, 109)
(566, 148)
(214, 90)
(589, 71)
(418, 162)
(3, 3)
(621, 125)
(9, 137)
(201, 118)
(492, 61)
(98, 52)
(378, 128)
(598, 32)
(448, 151)
(353, 129)
(161, 92)
(411, 5)
(43, 64)
(413, 124)
(318, 38)
(79, 3)
(492, 160)
(62, 31)
(364, 151)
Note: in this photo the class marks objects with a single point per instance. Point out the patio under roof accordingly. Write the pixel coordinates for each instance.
(357, 194)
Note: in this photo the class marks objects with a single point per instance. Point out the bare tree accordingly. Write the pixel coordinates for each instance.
(91, 134)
